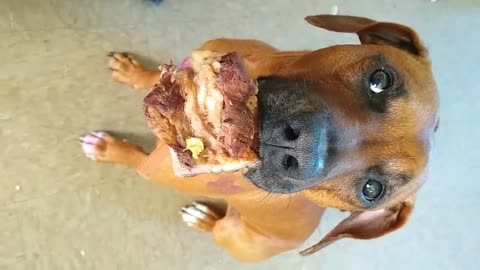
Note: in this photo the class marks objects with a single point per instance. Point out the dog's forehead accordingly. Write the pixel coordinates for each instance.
(416, 111)
(339, 57)
(417, 74)
(354, 60)
(400, 138)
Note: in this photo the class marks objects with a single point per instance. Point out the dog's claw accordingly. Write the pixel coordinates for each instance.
(110, 54)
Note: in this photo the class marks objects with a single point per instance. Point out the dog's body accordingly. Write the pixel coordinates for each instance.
(380, 147)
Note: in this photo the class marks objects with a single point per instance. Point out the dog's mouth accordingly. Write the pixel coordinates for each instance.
(287, 128)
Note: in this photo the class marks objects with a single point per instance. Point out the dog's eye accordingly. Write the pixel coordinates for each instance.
(380, 81)
(372, 190)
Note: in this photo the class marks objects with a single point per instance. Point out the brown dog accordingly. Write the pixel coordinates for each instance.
(346, 127)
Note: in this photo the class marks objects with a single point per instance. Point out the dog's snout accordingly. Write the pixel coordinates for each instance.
(297, 136)
(295, 147)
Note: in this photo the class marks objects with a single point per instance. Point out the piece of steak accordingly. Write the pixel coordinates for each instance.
(214, 100)
(238, 129)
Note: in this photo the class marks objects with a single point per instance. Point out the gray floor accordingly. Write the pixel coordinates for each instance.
(58, 210)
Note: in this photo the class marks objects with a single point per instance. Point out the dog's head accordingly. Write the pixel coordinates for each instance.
(351, 126)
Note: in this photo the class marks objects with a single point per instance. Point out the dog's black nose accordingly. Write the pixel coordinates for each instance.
(295, 147)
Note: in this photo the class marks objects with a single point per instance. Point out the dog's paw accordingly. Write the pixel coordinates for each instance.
(93, 144)
(128, 70)
(199, 216)
(103, 147)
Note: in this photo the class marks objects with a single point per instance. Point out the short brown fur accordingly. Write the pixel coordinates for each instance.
(259, 225)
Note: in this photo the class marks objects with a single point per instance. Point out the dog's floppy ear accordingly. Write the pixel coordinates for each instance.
(367, 225)
(372, 32)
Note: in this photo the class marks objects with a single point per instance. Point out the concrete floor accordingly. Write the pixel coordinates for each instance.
(59, 210)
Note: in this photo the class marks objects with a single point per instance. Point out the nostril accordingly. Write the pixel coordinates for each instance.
(289, 163)
(290, 133)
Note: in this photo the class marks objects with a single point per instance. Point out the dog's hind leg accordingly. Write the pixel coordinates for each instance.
(245, 241)
(254, 227)
(233, 233)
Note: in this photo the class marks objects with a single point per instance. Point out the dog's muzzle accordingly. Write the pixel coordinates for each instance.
(294, 125)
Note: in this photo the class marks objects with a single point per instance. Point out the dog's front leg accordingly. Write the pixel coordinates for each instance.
(252, 239)
(103, 147)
